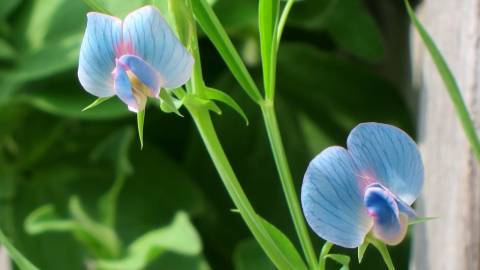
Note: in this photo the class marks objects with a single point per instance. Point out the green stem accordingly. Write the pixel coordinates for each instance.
(323, 259)
(283, 20)
(206, 129)
(380, 246)
(22, 262)
(271, 124)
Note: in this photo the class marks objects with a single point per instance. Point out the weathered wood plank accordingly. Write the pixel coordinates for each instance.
(452, 184)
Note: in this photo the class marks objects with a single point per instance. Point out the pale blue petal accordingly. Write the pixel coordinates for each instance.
(389, 225)
(123, 89)
(145, 73)
(387, 155)
(332, 201)
(151, 38)
(406, 209)
(97, 54)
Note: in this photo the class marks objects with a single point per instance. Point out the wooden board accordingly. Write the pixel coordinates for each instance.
(452, 184)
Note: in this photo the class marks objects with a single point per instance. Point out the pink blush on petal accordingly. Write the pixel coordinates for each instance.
(365, 179)
(124, 48)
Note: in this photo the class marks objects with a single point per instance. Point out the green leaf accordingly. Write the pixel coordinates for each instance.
(223, 97)
(96, 5)
(216, 33)
(285, 245)
(420, 220)
(344, 260)
(7, 52)
(184, 22)
(45, 219)
(380, 246)
(312, 15)
(20, 260)
(267, 24)
(169, 104)
(248, 255)
(361, 250)
(52, 58)
(101, 240)
(179, 237)
(140, 120)
(6, 7)
(354, 30)
(341, 103)
(95, 103)
(116, 150)
(202, 102)
(237, 16)
(449, 81)
(70, 102)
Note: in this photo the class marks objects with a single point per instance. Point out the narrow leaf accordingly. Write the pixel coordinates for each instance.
(97, 102)
(267, 23)
(449, 81)
(361, 250)
(380, 246)
(140, 120)
(286, 246)
(223, 97)
(420, 220)
(169, 104)
(216, 33)
(22, 262)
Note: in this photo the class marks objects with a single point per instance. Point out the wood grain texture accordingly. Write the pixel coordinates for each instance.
(452, 183)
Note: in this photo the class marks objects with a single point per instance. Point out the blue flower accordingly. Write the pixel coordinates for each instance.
(133, 58)
(369, 188)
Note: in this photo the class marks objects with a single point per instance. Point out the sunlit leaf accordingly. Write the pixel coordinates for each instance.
(100, 239)
(178, 237)
(45, 219)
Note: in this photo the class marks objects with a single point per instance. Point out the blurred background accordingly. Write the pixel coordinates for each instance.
(342, 62)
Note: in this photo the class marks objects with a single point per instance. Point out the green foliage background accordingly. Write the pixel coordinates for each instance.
(342, 62)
